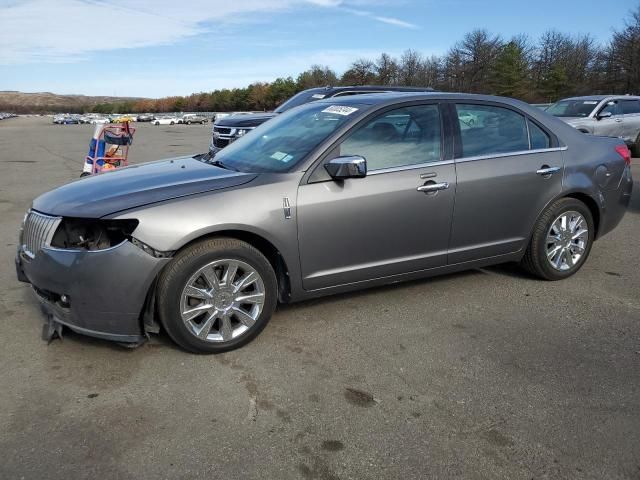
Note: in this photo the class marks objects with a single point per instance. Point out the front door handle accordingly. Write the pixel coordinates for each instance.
(432, 187)
(618, 120)
(547, 171)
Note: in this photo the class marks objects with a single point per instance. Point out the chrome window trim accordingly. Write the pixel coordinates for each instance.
(510, 154)
(410, 167)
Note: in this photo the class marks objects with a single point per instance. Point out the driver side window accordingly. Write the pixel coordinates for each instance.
(612, 107)
(398, 138)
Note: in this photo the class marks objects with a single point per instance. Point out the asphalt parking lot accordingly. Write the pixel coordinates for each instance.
(483, 374)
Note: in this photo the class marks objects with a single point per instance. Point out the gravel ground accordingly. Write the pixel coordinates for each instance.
(484, 374)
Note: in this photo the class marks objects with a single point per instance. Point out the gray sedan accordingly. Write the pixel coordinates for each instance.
(332, 196)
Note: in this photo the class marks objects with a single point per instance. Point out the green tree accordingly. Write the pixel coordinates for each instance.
(510, 73)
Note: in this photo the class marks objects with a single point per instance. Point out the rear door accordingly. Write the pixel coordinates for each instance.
(508, 168)
(631, 124)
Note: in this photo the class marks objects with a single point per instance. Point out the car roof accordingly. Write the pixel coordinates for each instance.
(394, 97)
(602, 97)
(330, 90)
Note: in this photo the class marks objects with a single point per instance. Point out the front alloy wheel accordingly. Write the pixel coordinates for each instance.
(216, 295)
(222, 300)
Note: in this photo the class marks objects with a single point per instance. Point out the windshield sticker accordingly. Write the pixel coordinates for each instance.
(340, 110)
(318, 95)
(590, 102)
(281, 156)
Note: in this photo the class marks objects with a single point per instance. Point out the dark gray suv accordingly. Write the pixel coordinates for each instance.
(332, 196)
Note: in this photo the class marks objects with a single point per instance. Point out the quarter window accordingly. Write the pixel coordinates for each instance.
(398, 138)
(486, 129)
(539, 139)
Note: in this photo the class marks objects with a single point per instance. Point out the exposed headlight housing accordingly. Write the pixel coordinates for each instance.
(92, 234)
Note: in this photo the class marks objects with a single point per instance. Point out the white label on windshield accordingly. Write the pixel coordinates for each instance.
(590, 102)
(340, 110)
(281, 156)
(318, 95)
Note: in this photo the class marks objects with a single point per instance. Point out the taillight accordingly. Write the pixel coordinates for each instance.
(625, 153)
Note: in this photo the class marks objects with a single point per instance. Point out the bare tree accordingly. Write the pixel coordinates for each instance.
(317, 76)
(409, 69)
(386, 70)
(361, 72)
(624, 56)
(474, 58)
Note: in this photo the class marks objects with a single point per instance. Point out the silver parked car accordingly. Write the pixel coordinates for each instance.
(332, 196)
(608, 115)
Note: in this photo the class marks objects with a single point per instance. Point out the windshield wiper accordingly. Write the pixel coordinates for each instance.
(218, 163)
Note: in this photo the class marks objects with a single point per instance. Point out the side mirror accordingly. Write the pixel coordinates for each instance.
(353, 166)
(602, 115)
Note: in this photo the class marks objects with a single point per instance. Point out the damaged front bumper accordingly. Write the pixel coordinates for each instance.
(100, 293)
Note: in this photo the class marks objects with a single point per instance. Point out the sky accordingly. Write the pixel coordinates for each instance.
(156, 48)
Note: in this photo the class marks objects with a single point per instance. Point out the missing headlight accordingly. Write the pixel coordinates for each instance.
(90, 234)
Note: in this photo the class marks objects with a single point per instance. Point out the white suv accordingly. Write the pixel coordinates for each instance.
(606, 115)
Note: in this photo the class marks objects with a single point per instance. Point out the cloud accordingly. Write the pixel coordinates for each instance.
(395, 21)
(388, 20)
(44, 31)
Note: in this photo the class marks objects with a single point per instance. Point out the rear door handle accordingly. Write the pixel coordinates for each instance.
(618, 120)
(431, 187)
(547, 171)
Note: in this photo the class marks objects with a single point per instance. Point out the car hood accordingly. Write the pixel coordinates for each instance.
(134, 186)
(252, 120)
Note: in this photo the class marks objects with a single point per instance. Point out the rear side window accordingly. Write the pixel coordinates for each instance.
(630, 106)
(539, 138)
(486, 130)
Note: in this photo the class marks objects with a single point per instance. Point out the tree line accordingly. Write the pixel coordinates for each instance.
(538, 70)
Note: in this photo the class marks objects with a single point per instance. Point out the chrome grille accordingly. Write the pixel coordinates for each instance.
(37, 232)
(222, 130)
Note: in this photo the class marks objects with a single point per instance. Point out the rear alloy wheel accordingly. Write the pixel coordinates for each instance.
(561, 240)
(216, 295)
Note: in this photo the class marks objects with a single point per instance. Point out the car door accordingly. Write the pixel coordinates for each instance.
(395, 220)
(631, 123)
(508, 168)
(612, 126)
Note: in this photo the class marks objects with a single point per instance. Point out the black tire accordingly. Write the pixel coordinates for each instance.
(172, 123)
(85, 174)
(189, 122)
(176, 275)
(535, 258)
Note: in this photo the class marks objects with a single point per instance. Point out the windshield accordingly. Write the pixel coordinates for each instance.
(281, 143)
(572, 108)
(301, 98)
